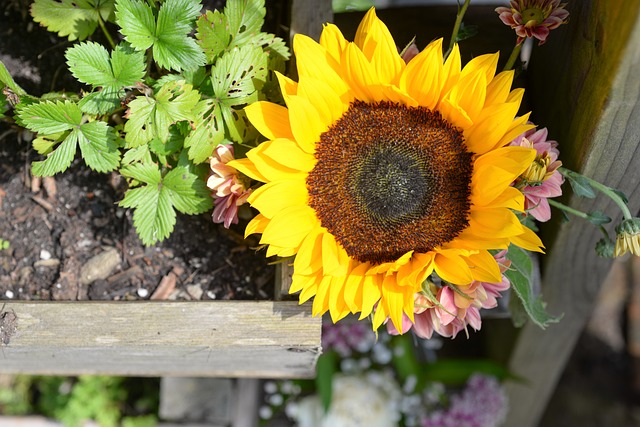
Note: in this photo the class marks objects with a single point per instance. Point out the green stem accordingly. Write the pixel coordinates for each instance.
(106, 33)
(607, 191)
(567, 209)
(456, 28)
(512, 59)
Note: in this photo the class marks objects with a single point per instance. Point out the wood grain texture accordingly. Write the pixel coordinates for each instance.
(229, 339)
(597, 118)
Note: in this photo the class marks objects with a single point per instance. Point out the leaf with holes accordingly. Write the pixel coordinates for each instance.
(151, 117)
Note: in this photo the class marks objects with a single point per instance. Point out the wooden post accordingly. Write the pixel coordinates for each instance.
(590, 100)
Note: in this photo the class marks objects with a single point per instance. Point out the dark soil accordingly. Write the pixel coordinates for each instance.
(53, 234)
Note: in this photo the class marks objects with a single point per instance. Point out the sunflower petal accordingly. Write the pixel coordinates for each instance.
(290, 226)
(271, 120)
(273, 197)
(333, 41)
(449, 266)
(423, 76)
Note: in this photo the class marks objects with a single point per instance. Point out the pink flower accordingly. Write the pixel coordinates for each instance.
(453, 310)
(229, 191)
(533, 18)
(541, 180)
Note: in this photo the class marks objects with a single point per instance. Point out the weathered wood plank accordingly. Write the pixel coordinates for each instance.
(229, 339)
(595, 113)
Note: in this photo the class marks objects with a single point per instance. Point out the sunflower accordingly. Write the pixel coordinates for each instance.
(379, 173)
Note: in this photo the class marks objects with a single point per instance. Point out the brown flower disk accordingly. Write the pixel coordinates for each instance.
(390, 179)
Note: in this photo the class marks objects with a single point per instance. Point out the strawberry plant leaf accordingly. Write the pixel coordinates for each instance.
(151, 117)
(101, 102)
(97, 145)
(245, 18)
(153, 215)
(169, 35)
(59, 159)
(75, 19)
(208, 132)
(49, 117)
(189, 193)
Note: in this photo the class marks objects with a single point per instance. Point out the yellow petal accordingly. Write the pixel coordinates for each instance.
(488, 182)
(247, 167)
(289, 154)
(490, 127)
(451, 71)
(300, 282)
(494, 222)
(451, 267)
(335, 260)
(290, 226)
(309, 257)
(271, 120)
(528, 240)
(517, 127)
(337, 307)
(512, 159)
(325, 100)
(484, 267)
(353, 287)
(370, 293)
(266, 167)
(499, 87)
(310, 289)
(486, 63)
(360, 75)
(393, 300)
(306, 123)
(257, 225)
(321, 300)
(275, 196)
(287, 86)
(469, 94)
(315, 62)
(375, 41)
(422, 78)
(333, 41)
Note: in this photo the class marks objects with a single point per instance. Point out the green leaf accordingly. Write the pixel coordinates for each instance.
(520, 275)
(622, 195)
(102, 102)
(189, 193)
(169, 36)
(238, 76)
(154, 216)
(245, 17)
(75, 19)
(212, 32)
(89, 62)
(49, 117)
(326, 368)
(8, 81)
(580, 185)
(598, 218)
(137, 23)
(58, 161)
(151, 117)
(44, 145)
(97, 145)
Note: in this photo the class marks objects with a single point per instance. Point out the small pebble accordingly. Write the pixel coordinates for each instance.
(58, 286)
(211, 295)
(142, 292)
(45, 254)
(9, 294)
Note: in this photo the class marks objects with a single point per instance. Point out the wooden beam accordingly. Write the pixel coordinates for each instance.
(595, 114)
(228, 339)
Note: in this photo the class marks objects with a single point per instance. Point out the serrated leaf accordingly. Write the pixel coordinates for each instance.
(143, 172)
(153, 216)
(44, 145)
(101, 102)
(127, 66)
(138, 154)
(151, 117)
(172, 47)
(245, 18)
(49, 117)
(97, 145)
(137, 23)
(189, 193)
(580, 185)
(212, 32)
(89, 63)
(520, 277)
(238, 76)
(58, 161)
(75, 19)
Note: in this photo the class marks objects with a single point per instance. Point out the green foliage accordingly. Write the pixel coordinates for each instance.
(73, 401)
(156, 104)
(527, 305)
(167, 35)
(75, 19)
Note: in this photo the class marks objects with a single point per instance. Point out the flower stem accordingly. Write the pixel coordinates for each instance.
(567, 209)
(456, 27)
(512, 59)
(607, 191)
(106, 33)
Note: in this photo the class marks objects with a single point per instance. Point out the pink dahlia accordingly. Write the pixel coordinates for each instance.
(541, 180)
(534, 18)
(453, 309)
(229, 191)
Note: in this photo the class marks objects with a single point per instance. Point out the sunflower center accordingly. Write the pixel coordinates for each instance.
(390, 179)
(389, 183)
